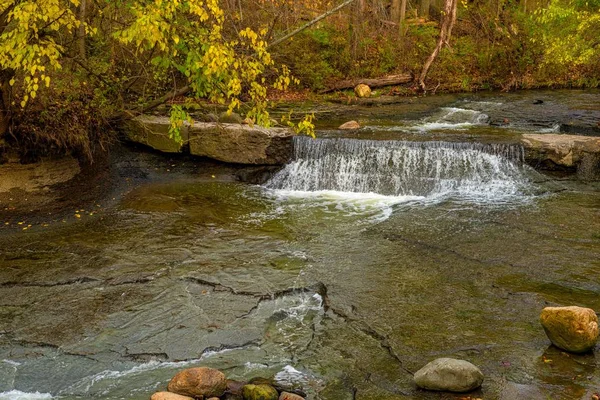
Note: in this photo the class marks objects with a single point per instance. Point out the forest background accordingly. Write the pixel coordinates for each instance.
(71, 71)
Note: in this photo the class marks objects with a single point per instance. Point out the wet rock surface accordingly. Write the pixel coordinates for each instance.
(185, 270)
(448, 374)
(206, 382)
(259, 392)
(169, 396)
(573, 329)
(563, 150)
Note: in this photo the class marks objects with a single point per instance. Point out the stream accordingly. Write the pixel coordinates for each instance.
(422, 235)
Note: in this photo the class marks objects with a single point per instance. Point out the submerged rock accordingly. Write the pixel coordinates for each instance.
(573, 329)
(350, 125)
(448, 374)
(194, 382)
(169, 396)
(260, 392)
(362, 90)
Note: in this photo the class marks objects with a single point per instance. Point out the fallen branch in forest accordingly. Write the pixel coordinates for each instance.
(390, 80)
(310, 23)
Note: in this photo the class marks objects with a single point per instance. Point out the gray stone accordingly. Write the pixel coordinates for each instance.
(153, 131)
(241, 144)
(448, 374)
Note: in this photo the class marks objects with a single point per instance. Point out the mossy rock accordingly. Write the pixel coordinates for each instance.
(233, 118)
(259, 392)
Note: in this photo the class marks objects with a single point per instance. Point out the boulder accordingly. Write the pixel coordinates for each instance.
(562, 150)
(153, 131)
(289, 396)
(260, 392)
(234, 387)
(195, 382)
(574, 329)
(448, 374)
(230, 118)
(361, 90)
(169, 396)
(241, 144)
(350, 126)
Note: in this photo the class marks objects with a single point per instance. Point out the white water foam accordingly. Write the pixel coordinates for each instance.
(370, 178)
(376, 207)
(86, 384)
(18, 395)
(452, 118)
(553, 129)
(291, 376)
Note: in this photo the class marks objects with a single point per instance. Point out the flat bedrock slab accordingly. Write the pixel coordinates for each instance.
(227, 142)
(153, 131)
(241, 144)
(563, 150)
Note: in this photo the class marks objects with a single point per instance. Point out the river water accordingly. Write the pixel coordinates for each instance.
(422, 235)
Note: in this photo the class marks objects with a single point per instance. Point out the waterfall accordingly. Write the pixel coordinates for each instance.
(396, 168)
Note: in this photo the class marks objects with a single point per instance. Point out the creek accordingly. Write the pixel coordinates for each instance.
(422, 235)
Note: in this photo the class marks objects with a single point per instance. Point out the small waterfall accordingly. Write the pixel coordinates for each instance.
(395, 168)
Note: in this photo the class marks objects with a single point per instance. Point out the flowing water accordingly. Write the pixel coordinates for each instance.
(364, 258)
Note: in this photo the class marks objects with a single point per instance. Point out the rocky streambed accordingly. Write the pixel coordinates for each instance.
(180, 264)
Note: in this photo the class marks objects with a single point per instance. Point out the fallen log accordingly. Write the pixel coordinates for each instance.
(389, 80)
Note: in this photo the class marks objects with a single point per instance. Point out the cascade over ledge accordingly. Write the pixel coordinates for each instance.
(255, 145)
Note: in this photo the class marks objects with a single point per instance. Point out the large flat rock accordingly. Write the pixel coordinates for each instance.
(153, 131)
(232, 143)
(241, 144)
(567, 151)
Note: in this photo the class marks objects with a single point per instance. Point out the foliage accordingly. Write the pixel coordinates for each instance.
(137, 51)
(570, 31)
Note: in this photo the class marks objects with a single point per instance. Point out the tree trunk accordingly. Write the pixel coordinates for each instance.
(5, 89)
(390, 80)
(424, 8)
(395, 11)
(448, 20)
(81, 30)
(402, 17)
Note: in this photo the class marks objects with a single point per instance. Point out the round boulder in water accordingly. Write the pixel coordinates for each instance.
(573, 329)
(350, 126)
(169, 396)
(450, 375)
(259, 392)
(195, 382)
(362, 90)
